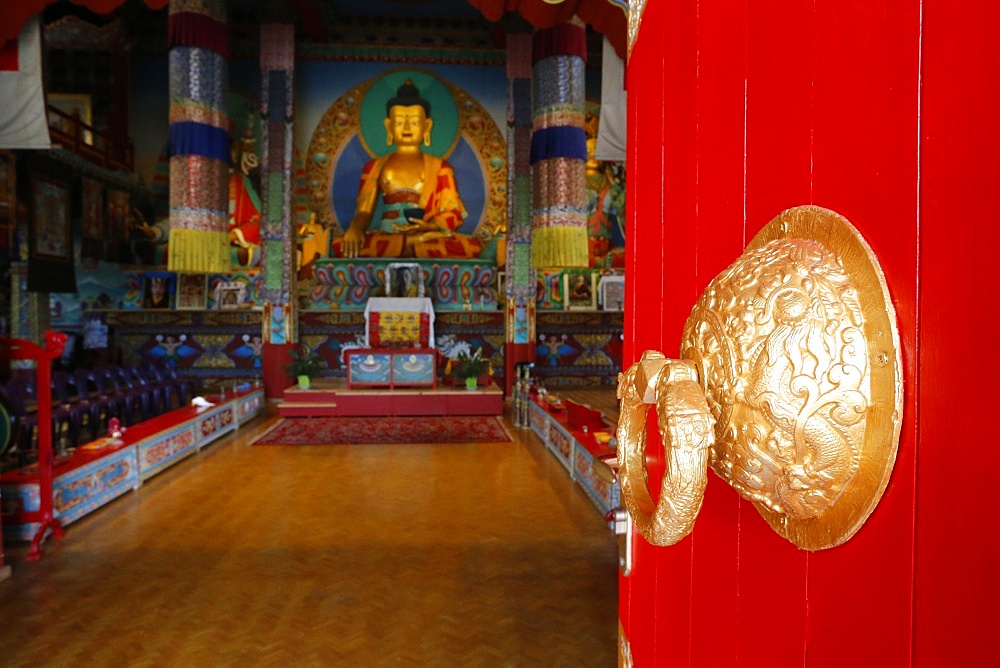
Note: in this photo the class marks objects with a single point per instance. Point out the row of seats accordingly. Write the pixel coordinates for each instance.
(84, 400)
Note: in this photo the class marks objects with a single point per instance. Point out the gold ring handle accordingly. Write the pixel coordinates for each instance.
(686, 426)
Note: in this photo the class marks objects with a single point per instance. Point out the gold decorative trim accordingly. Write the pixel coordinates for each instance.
(624, 648)
(635, 10)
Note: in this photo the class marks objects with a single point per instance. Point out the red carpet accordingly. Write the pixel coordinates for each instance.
(370, 430)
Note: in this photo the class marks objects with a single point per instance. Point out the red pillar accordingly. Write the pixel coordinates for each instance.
(275, 357)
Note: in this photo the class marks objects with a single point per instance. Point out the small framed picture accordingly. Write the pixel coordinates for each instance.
(404, 279)
(611, 291)
(580, 290)
(156, 291)
(192, 292)
(230, 295)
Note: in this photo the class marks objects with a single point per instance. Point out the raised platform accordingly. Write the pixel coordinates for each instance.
(331, 396)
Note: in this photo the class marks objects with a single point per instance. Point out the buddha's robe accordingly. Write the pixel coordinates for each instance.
(438, 199)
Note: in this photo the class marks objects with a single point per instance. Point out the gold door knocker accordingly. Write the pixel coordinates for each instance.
(789, 387)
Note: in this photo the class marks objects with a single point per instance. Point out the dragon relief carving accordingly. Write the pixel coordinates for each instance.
(781, 348)
(778, 339)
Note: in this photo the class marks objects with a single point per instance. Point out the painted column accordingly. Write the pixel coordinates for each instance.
(278, 229)
(559, 147)
(29, 311)
(199, 136)
(520, 275)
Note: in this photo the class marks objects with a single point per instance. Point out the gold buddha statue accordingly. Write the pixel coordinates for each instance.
(421, 207)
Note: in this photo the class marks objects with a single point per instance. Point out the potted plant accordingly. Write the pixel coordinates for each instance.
(469, 367)
(304, 365)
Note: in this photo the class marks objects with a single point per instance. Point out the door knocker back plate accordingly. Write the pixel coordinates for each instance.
(797, 351)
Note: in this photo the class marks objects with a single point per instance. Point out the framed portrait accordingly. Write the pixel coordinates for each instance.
(50, 207)
(580, 290)
(404, 279)
(192, 292)
(8, 202)
(75, 109)
(611, 291)
(230, 295)
(156, 291)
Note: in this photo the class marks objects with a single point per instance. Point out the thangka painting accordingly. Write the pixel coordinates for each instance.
(50, 207)
(50, 257)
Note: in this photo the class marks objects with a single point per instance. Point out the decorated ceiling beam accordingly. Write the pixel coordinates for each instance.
(608, 17)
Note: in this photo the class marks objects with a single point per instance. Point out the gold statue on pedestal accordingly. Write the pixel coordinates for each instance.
(421, 205)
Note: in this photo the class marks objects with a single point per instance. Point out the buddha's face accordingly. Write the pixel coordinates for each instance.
(408, 127)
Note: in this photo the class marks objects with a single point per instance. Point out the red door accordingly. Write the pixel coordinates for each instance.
(885, 112)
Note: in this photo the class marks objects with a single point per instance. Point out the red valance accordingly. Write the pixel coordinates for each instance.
(565, 39)
(606, 16)
(198, 30)
(14, 14)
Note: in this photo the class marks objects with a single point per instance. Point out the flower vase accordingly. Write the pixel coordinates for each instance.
(470, 382)
(303, 382)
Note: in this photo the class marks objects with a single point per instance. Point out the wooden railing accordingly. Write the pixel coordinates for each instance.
(71, 133)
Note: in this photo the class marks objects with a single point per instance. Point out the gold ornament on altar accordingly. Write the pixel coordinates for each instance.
(789, 387)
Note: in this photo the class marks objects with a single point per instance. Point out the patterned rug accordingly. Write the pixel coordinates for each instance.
(371, 430)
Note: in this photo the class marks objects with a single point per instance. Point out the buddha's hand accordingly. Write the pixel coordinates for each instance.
(419, 229)
(351, 242)
(424, 237)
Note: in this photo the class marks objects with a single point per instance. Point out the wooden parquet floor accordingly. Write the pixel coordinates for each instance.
(412, 555)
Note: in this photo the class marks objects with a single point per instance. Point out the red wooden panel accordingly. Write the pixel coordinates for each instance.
(832, 118)
(679, 183)
(642, 322)
(865, 165)
(719, 137)
(957, 588)
(673, 591)
(780, 39)
(663, 69)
